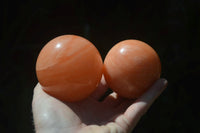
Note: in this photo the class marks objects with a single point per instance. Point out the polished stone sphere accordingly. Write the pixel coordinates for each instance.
(69, 68)
(131, 67)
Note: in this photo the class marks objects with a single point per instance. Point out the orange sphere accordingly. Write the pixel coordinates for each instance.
(131, 67)
(69, 68)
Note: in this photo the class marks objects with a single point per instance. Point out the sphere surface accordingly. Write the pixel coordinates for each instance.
(69, 68)
(131, 67)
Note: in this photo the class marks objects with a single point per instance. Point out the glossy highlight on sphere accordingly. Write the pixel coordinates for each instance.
(131, 67)
(69, 68)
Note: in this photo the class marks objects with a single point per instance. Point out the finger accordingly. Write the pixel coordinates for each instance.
(41, 101)
(50, 114)
(115, 100)
(101, 89)
(40, 107)
(38, 92)
(111, 99)
(39, 96)
(142, 104)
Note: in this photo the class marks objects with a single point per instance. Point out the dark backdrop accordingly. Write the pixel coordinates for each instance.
(171, 27)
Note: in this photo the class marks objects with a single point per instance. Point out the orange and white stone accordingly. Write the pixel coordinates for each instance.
(131, 67)
(69, 68)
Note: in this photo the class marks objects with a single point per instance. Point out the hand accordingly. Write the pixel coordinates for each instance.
(112, 115)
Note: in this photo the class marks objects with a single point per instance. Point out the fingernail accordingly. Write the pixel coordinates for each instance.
(165, 83)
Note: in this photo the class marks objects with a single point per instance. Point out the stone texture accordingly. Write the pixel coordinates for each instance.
(131, 67)
(69, 68)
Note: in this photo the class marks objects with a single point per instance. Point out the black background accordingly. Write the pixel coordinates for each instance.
(171, 27)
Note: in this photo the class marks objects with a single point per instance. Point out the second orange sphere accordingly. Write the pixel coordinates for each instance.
(131, 67)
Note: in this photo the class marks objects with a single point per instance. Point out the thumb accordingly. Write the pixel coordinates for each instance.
(50, 114)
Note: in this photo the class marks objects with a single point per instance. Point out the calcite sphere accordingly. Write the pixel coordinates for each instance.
(131, 67)
(69, 68)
